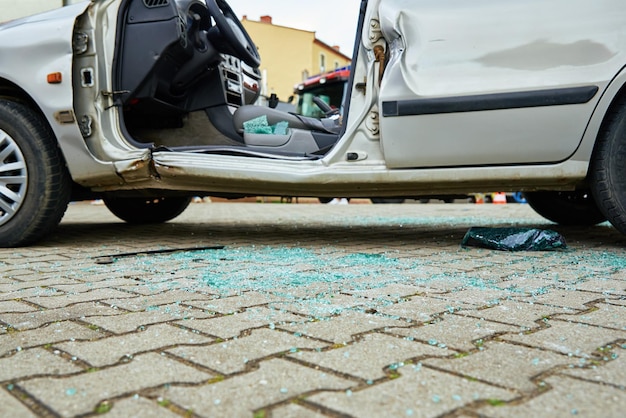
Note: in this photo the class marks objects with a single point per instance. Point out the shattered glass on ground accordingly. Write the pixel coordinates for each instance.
(345, 311)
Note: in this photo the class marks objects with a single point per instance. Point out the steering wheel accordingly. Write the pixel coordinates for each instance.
(233, 32)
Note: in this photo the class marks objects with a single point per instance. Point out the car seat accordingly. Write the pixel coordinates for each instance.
(305, 134)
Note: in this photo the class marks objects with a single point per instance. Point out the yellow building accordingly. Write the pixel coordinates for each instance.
(288, 55)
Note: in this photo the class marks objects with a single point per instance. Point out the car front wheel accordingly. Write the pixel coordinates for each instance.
(146, 210)
(35, 185)
(566, 208)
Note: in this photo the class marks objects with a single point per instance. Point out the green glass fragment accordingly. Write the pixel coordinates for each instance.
(260, 125)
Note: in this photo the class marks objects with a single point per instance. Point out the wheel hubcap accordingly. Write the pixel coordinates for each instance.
(13, 177)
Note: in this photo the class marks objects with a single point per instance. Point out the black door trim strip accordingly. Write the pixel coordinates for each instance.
(497, 101)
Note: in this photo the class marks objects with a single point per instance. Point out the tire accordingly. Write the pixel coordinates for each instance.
(607, 173)
(35, 186)
(147, 210)
(566, 208)
(380, 200)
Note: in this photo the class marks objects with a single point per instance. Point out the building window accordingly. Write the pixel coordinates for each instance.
(322, 63)
(305, 75)
(336, 65)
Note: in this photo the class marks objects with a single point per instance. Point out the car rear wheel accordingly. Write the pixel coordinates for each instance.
(608, 168)
(566, 208)
(35, 185)
(147, 210)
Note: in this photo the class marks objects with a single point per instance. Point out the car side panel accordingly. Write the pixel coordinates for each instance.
(30, 49)
(448, 59)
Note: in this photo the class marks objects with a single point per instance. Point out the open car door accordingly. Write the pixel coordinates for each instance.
(488, 82)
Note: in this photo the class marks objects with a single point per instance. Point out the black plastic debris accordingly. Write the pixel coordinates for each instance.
(110, 259)
(514, 239)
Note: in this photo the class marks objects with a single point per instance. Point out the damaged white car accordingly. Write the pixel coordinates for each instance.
(145, 103)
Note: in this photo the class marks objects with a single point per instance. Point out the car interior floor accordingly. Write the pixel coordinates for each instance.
(194, 130)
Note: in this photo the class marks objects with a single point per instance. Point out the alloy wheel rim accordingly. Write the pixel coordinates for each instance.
(13, 177)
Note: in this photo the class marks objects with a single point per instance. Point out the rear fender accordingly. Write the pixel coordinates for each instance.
(611, 95)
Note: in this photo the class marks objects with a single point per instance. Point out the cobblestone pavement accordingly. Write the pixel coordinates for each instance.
(308, 310)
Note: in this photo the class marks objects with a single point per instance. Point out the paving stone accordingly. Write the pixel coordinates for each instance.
(612, 372)
(14, 286)
(603, 315)
(19, 273)
(188, 284)
(6, 280)
(81, 394)
(50, 334)
(503, 364)
(232, 325)
(309, 291)
(527, 286)
(30, 293)
(99, 279)
(368, 357)
(130, 321)
(140, 303)
(324, 306)
(341, 329)
(275, 381)
(25, 269)
(11, 306)
(11, 407)
(146, 284)
(295, 411)
(567, 397)
(606, 286)
(438, 279)
(138, 407)
(478, 296)
(620, 274)
(524, 315)
(468, 263)
(421, 392)
(36, 319)
(569, 338)
(50, 257)
(422, 309)
(110, 350)
(76, 286)
(454, 331)
(617, 302)
(228, 305)
(564, 298)
(390, 292)
(233, 356)
(52, 300)
(34, 361)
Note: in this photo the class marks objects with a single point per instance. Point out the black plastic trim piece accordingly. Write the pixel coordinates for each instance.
(324, 140)
(497, 101)
(156, 3)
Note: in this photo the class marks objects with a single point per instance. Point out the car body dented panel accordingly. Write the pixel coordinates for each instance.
(452, 49)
